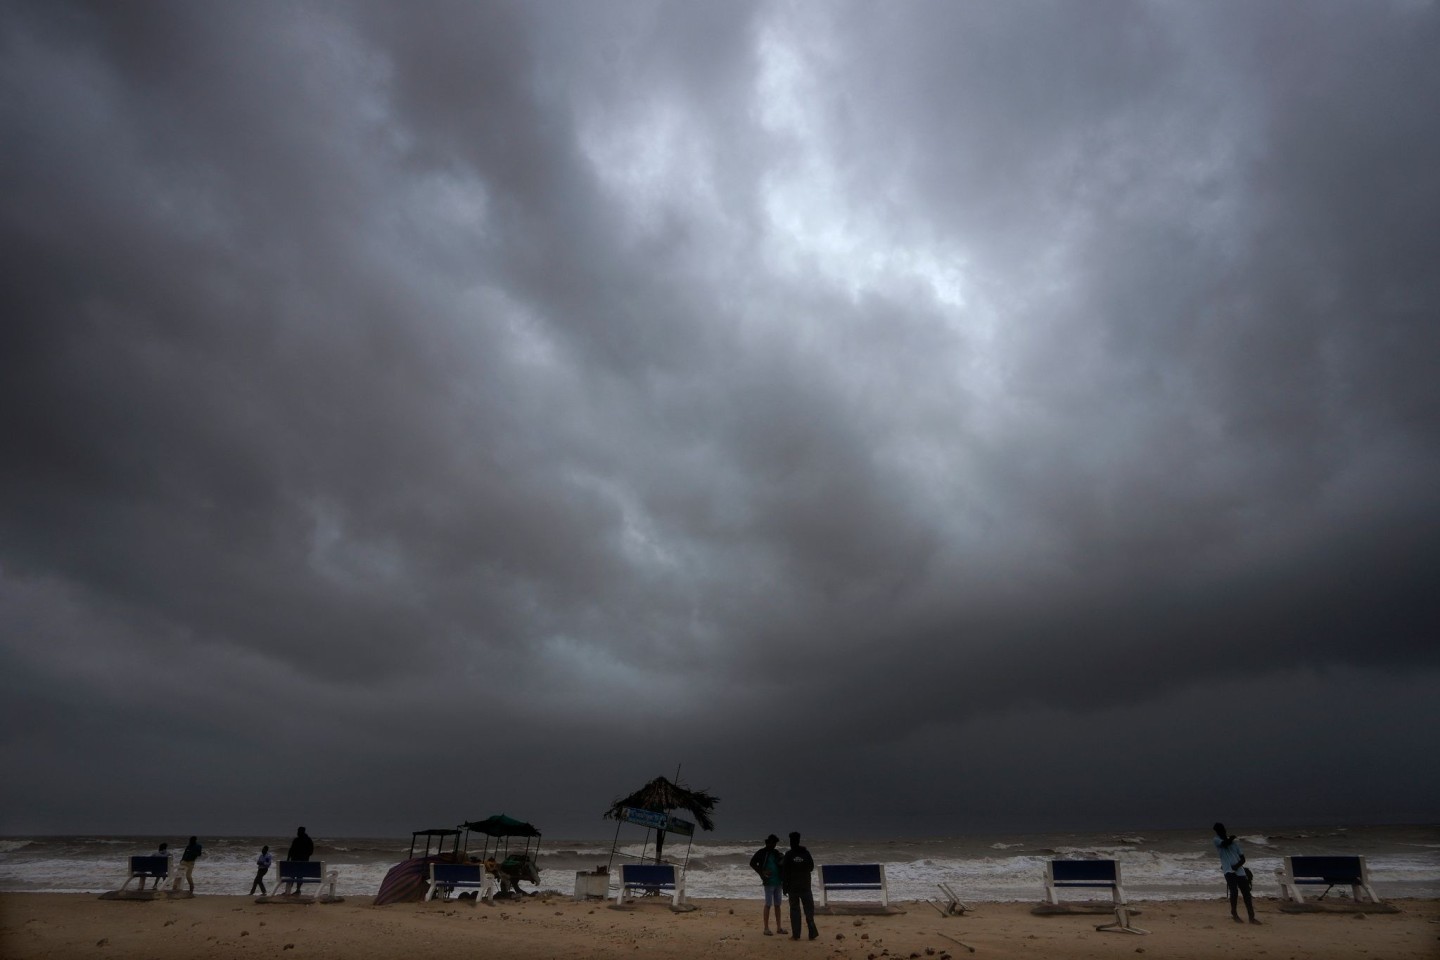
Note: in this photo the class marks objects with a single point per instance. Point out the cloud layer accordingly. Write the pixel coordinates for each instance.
(849, 401)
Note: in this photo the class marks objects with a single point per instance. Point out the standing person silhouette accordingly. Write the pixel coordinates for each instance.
(301, 848)
(766, 862)
(795, 869)
(1237, 875)
(193, 852)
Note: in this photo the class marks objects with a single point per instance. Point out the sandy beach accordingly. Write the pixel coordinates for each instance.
(59, 926)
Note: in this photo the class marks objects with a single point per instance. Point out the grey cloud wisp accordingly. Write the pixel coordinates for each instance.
(882, 409)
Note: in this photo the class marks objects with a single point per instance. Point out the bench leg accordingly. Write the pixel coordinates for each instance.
(1122, 922)
(1288, 890)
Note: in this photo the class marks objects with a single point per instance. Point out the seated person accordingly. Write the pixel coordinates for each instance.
(164, 851)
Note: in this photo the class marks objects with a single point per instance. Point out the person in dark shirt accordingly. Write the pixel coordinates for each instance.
(301, 847)
(766, 862)
(795, 869)
(193, 852)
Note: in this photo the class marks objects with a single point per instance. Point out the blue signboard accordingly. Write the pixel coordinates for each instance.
(646, 818)
(683, 827)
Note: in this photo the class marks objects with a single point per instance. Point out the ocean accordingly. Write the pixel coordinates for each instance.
(1156, 864)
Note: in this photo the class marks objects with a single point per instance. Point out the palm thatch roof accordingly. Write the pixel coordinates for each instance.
(662, 796)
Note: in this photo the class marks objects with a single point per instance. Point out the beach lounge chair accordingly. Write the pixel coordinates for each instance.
(1093, 874)
(651, 878)
(853, 876)
(1331, 871)
(951, 905)
(445, 878)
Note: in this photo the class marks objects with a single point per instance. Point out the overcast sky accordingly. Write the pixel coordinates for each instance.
(918, 418)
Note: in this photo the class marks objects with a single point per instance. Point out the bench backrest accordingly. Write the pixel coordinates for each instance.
(300, 869)
(859, 876)
(453, 873)
(151, 866)
(1331, 870)
(1084, 872)
(647, 874)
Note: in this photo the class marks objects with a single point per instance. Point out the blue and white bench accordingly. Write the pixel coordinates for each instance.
(1332, 871)
(1091, 874)
(145, 867)
(445, 878)
(294, 874)
(651, 877)
(853, 876)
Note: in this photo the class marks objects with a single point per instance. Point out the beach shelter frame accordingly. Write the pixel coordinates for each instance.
(652, 821)
(650, 807)
(501, 827)
(439, 847)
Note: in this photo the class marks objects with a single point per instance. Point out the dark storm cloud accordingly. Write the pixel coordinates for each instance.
(608, 385)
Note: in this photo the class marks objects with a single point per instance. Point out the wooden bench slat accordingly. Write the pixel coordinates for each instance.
(1099, 873)
(853, 876)
(1333, 870)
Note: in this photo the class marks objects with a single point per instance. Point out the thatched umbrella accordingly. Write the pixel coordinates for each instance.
(662, 796)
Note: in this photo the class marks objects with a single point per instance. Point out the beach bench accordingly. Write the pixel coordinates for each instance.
(853, 876)
(1091, 874)
(651, 878)
(146, 867)
(294, 874)
(1329, 870)
(445, 878)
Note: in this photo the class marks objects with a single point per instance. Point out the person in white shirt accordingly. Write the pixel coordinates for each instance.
(262, 864)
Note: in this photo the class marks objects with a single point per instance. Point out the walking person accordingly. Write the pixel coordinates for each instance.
(795, 869)
(193, 852)
(766, 862)
(1237, 875)
(262, 864)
